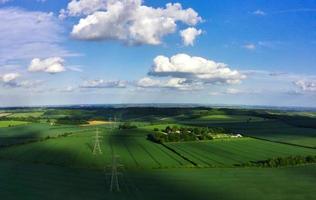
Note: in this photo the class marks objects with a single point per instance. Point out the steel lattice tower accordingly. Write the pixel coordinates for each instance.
(114, 186)
(97, 147)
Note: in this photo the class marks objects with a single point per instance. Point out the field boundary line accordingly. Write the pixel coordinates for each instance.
(195, 155)
(205, 150)
(280, 142)
(168, 154)
(37, 140)
(151, 156)
(222, 153)
(179, 154)
(130, 153)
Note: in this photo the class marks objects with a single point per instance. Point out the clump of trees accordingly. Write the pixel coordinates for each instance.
(177, 134)
(71, 121)
(27, 119)
(281, 162)
(127, 125)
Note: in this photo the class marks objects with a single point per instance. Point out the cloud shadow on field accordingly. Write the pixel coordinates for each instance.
(44, 180)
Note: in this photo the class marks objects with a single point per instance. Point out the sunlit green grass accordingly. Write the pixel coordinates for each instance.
(232, 152)
(32, 131)
(11, 123)
(231, 118)
(26, 114)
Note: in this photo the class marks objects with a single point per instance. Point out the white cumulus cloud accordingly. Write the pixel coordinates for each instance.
(148, 82)
(128, 21)
(51, 65)
(189, 35)
(306, 85)
(171, 83)
(195, 68)
(12, 80)
(250, 46)
(100, 83)
(259, 12)
(82, 7)
(9, 77)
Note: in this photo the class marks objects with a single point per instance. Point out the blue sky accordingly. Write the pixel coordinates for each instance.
(131, 51)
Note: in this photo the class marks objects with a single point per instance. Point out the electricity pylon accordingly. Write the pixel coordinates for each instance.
(113, 174)
(115, 186)
(97, 147)
(112, 123)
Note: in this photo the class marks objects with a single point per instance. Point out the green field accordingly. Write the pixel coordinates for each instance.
(76, 150)
(43, 161)
(227, 118)
(11, 123)
(274, 130)
(137, 152)
(3, 114)
(31, 131)
(227, 153)
(36, 181)
(26, 114)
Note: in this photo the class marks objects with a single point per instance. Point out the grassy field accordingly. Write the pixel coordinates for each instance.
(227, 118)
(76, 151)
(273, 130)
(3, 114)
(31, 131)
(97, 122)
(11, 123)
(229, 152)
(26, 114)
(56, 165)
(36, 182)
(135, 151)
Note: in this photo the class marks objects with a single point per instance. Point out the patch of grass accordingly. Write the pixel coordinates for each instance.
(31, 131)
(4, 124)
(26, 114)
(3, 114)
(97, 122)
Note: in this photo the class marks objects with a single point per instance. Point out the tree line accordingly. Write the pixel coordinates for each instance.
(177, 134)
(281, 162)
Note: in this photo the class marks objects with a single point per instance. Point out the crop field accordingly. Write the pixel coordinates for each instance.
(26, 114)
(229, 152)
(11, 123)
(39, 160)
(137, 152)
(227, 118)
(3, 114)
(21, 133)
(36, 182)
(275, 131)
(76, 150)
(97, 122)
